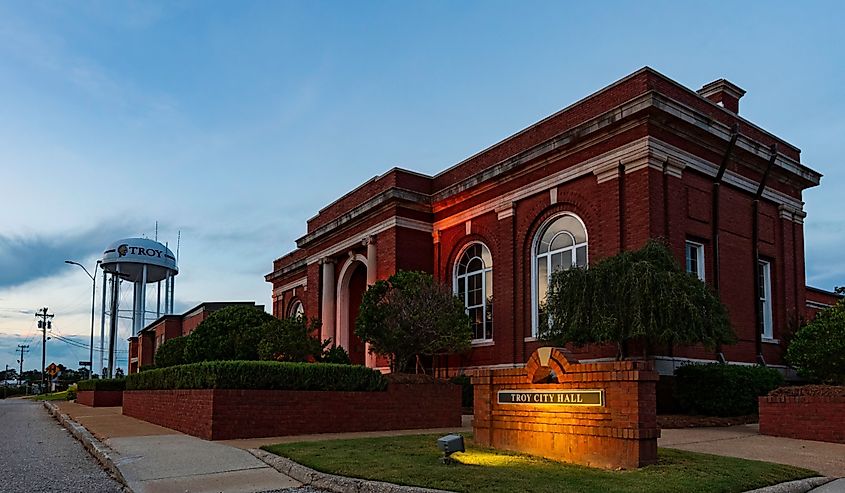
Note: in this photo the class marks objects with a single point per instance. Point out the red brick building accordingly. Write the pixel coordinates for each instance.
(142, 347)
(644, 157)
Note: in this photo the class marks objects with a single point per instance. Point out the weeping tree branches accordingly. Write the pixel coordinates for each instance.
(642, 296)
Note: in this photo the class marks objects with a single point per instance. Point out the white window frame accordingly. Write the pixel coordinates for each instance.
(764, 299)
(535, 296)
(297, 306)
(457, 279)
(699, 257)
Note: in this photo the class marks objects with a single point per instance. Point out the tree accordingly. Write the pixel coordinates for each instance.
(642, 296)
(411, 315)
(291, 339)
(818, 348)
(10, 374)
(231, 333)
(171, 352)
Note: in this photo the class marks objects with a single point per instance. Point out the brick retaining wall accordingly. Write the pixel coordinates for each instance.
(100, 398)
(226, 414)
(804, 417)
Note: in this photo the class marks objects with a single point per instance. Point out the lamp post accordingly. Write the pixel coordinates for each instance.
(93, 298)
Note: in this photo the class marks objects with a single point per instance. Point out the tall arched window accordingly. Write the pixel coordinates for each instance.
(296, 310)
(560, 244)
(474, 284)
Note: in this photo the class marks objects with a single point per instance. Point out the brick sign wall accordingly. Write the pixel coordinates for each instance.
(596, 414)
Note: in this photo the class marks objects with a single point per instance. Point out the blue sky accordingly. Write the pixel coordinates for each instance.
(234, 122)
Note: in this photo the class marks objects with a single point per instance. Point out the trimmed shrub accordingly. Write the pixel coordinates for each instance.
(101, 384)
(71, 394)
(259, 375)
(723, 390)
(818, 348)
(231, 333)
(171, 352)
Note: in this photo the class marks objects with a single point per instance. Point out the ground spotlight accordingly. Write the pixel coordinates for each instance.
(450, 444)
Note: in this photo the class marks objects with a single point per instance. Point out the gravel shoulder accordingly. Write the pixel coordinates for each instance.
(39, 455)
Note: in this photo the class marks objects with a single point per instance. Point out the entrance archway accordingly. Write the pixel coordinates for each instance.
(351, 288)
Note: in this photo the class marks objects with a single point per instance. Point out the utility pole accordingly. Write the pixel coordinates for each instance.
(22, 347)
(44, 324)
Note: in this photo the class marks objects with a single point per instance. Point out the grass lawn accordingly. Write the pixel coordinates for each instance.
(415, 460)
(55, 396)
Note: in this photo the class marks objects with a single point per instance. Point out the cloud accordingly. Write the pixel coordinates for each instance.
(24, 258)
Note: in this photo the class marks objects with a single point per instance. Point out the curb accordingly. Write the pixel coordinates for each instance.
(799, 486)
(96, 448)
(331, 482)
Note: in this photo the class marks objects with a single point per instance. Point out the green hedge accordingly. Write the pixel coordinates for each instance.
(723, 390)
(101, 384)
(259, 375)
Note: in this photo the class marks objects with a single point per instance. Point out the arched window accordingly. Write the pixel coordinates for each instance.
(296, 310)
(474, 285)
(560, 244)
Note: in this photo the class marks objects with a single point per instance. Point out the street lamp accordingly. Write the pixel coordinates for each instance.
(93, 298)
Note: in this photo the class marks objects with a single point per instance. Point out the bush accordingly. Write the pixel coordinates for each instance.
(171, 352)
(723, 390)
(290, 339)
(101, 384)
(231, 333)
(818, 348)
(71, 394)
(259, 375)
(12, 391)
(336, 355)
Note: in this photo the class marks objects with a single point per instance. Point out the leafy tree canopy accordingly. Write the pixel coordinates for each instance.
(818, 348)
(641, 295)
(231, 333)
(291, 339)
(411, 315)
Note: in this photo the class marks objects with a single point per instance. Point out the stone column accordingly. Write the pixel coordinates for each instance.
(372, 277)
(327, 313)
(372, 260)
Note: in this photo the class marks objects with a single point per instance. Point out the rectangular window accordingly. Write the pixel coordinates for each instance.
(695, 259)
(764, 270)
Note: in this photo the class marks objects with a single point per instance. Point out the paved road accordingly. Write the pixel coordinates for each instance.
(39, 455)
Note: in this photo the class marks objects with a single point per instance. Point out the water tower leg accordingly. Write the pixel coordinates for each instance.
(103, 326)
(142, 320)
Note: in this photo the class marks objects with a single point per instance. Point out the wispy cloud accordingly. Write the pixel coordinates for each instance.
(24, 258)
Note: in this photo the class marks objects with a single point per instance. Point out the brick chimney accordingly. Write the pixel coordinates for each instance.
(724, 93)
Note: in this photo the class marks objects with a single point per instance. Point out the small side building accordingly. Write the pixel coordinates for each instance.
(142, 347)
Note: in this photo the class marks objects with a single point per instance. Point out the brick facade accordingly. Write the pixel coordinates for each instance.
(634, 161)
(227, 414)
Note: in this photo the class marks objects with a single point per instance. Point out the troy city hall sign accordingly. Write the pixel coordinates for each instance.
(552, 397)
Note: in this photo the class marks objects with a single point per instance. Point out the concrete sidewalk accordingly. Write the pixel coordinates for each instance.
(153, 459)
(745, 441)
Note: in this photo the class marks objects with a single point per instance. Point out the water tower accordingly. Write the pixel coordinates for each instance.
(142, 262)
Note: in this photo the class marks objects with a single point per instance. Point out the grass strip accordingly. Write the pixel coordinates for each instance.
(415, 460)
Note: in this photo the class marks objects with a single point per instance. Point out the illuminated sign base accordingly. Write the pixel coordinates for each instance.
(597, 414)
